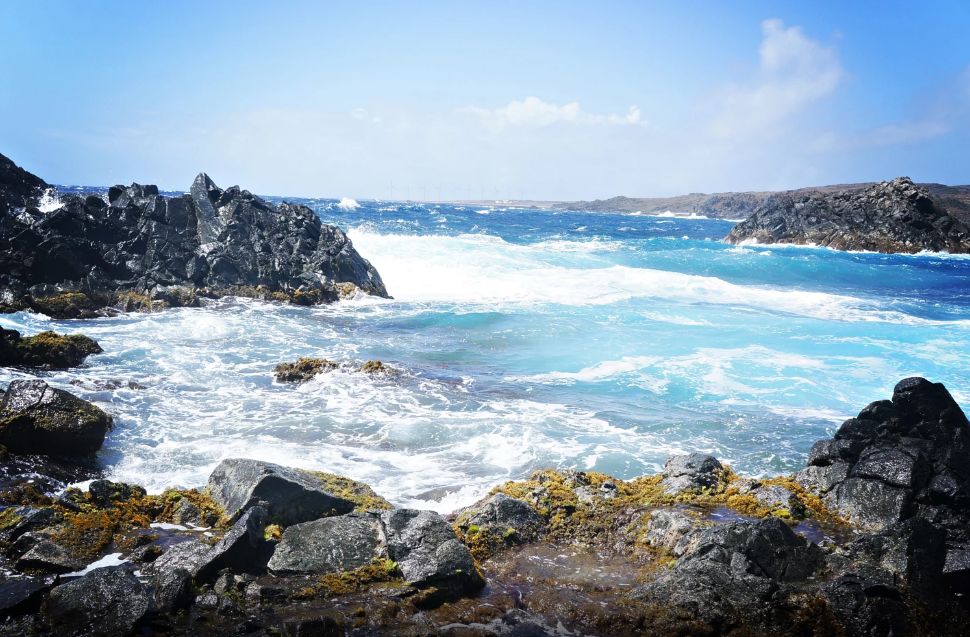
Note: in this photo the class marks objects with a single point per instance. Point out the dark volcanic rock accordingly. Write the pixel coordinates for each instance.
(290, 495)
(734, 571)
(897, 459)
(329, 545)
(892, 216)
(37, 418)
(106, 601)
(47, 349)
(503, 515)
(303, 369)
(22, 595)
(142, 250)
(428, 553)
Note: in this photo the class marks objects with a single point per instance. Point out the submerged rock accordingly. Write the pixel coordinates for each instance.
(303, 369)
(37, 418)
(290, 495)
(892, 216)
(47, 349)
(141, 250)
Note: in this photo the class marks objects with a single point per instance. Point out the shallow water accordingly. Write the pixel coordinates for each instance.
(529, 339)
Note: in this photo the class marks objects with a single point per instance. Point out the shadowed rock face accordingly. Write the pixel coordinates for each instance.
(892, 216)
(210, 242)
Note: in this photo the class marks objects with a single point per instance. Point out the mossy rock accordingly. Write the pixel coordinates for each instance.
(303, 369)
(47, 349)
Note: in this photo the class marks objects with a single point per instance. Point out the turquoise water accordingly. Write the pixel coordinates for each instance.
(529, 339)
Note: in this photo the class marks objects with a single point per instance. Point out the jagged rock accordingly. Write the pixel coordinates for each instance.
(733, 570)
(290, 495)
(47, 349)
(892, 216)
(303, 369)
(141, 250)
(22, 595)
(15, 521)
(329, 545)
(914, 551)
(429, 555)
(37, 418)
(691, 472)
(46, 556)
(867, 607)
(897, 459)
(503, 515)
(106, 601)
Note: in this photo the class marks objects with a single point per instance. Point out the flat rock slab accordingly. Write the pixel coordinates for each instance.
(290, 496)
(329, 545)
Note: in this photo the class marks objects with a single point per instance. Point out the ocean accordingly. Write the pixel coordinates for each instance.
(526, 339)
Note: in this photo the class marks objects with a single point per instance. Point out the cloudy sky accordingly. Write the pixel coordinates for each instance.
(432, 100)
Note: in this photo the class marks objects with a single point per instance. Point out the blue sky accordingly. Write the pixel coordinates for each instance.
(552, 100)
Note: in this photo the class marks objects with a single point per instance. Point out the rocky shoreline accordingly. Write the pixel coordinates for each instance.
(138, 250)
(870, 538)
(891, 216)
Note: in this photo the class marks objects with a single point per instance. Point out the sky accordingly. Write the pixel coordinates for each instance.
(466, 100)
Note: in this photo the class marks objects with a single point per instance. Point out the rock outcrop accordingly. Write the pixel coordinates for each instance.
(892, 216)
(141, 250)
(37, 418)
(45, 350)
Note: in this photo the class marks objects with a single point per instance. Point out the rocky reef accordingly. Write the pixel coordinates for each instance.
(892, 216)
(46, 350)
(870, 538)
(140, 250)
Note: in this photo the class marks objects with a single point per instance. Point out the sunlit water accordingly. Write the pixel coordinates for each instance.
(529, 339)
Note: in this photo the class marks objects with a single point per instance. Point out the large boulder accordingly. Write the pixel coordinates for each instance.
(329, 545)
(290, 495)
(37, 418)
(734, 571)
(501, 516)
(429, 555)
(47, 349)
(140, 249)
(892, 216)
(897, 459)
(106, 601)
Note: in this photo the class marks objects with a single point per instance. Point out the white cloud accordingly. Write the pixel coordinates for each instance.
(533, 111)
(794, 71)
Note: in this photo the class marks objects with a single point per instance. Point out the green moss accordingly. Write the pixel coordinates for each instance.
(303, 369)
(378, 571)
(273, 532)
(9, 518)
(66, 305)
(359, 493)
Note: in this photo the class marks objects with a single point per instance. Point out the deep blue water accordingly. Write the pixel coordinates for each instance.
(526, 339)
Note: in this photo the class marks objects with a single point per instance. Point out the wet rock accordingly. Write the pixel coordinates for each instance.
(22, 595)
(37, 418)
(46, 556)
(914, 551)
(173, 590)
(144, 251)
(867, 607)
(106, 601)
(105, 493)
(691, 472)
(316, 627)
(428, 554)
(47, 349)
(891, 216)
(329, 545)
(734, 570)
(897, 459)
(290, 496)
(242, 548)
(303, 369)
(503, 515)
(15, 521)
(673, 530)
(377, 367)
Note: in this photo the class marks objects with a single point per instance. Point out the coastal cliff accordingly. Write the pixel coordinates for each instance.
(892, 216)
(141, 250)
